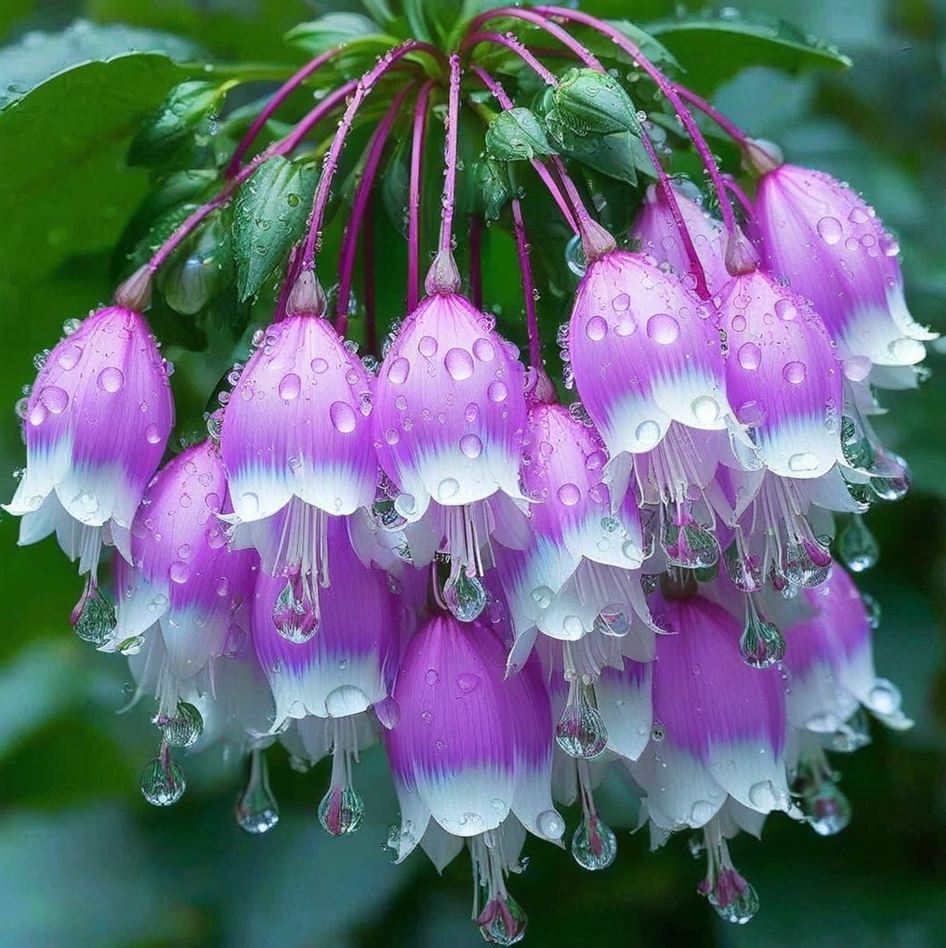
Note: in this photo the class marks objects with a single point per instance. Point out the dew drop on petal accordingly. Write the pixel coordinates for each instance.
(497, 392)
(830, 230)
(471, 446)
(399, 370)
(750, 356)
(111, 379)
(795, 373)
(483, 350)
(55, 399)
(343, 417)
(569, 494)
(596, 328)
(459, 364)
(289, 387)
(663, 329)
(427, 346)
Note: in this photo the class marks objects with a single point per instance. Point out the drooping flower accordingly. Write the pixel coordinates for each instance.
(470, 746)
(297, 447)
(659, 234)
(183, 581)
(822, 237)
(96, 423)
(719, 726)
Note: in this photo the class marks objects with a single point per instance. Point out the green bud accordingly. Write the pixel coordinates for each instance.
(517, 135)
(590, 102)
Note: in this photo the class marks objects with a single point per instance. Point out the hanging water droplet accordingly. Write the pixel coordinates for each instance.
(503, 921)
(733, 898)
(828, 810)
(184, 728)
(761, 643)
(805, 564)
(581, 731)
(575, 256)
(550, 824)
(687, 544)
(857, 546)
(295, 612)
(96, 620)
(464, 595)
(257, 811)
(341, 811)
(594, 845)
(162, 781)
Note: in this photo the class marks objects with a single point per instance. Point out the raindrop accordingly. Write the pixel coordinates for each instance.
(257, 811)
(289, 387)
(111, 380)
(663, 329)
(857, 546)
(465, 596)
(341, 811)
(830, 230)
(594, 845)
(162, 781)
(343, 417)
(184, 728)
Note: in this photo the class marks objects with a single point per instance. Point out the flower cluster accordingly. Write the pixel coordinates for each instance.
(430, 548)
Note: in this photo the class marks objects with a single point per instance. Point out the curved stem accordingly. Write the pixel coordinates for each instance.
(329, 167)
(451, 154)
(734, 188)
(536, 19)
(723, 121)
(283, 147)
(367, 267)
(669, 90)
(528, 285)
(511, 43)
(347, 255)
(280, 96)
(418, 143)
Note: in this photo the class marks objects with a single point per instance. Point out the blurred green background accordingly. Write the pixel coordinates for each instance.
(85, 861)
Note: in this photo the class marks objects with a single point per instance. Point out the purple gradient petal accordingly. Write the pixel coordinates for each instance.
(782, 376)
(449, 409)
(298, 424)
(829, 244)
(644, 351)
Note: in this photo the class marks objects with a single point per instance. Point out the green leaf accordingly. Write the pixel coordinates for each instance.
(174, 125)
(39, 56)
(517, 135)
(380, 11)
(416, 19)
(336, 29)
(590, 102)
(268, 216)
(76, 196)
(716, 47)
(494, 186)
(195, 278)
(616, 155)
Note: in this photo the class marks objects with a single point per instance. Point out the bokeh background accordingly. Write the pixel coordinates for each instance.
(85, 861)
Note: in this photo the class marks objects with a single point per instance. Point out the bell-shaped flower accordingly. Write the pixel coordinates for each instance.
(782, 376)
(828, 243)
(182, 579)
(718, 724)
(349, 664)
(449, 408)
(830, 659)
(296, 442)
(96, 423)
(573, 531)
(659, 234)
(471, 745)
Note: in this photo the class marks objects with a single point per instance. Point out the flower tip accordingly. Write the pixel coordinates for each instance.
(443, 277)
(135, 292)
(596, 241)
(760, 156)
(741, 256)
(540, 390)
(307, 298)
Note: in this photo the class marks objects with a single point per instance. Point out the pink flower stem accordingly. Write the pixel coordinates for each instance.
(553, 29)
(512, 44)
(725, 123)
(418, 143)
(476, 260)
(528, 285)
(668, 89)
(280, 96)
(589, 59)
(451, 156)
(369, 174)
(367, 267)
(363, 88)
(283, 147)
(737, 192)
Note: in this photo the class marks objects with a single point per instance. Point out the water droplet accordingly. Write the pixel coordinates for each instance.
(399, 370)
(69, 356)
(153, 434)
(569, 495)
(257, 811)
(830, 230)
(497, 392)
(54, 399)
(594, 845)
(343, 417)
(184, 727)
(319, 365)
(795, 372)
(447, 489)
(96, 620)
(750, 356)
(427, 346)
(162, 781)
(857, 546)
(827, 809)
(705, 410)
(663, 329)
(483, 350)
(550, 824)
(596, 328)
(502, 921)
(179, 572)
(647, 434)
(468, 681)
(465, 596)
(786, 309)
(471, 446)
(581, 731)
(761, 644)
(295, 612)
(733, 898)
(289, 387)
(459, 364)
(111, 380)
(341, 811)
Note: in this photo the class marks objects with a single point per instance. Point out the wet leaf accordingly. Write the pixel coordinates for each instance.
(517, 135)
